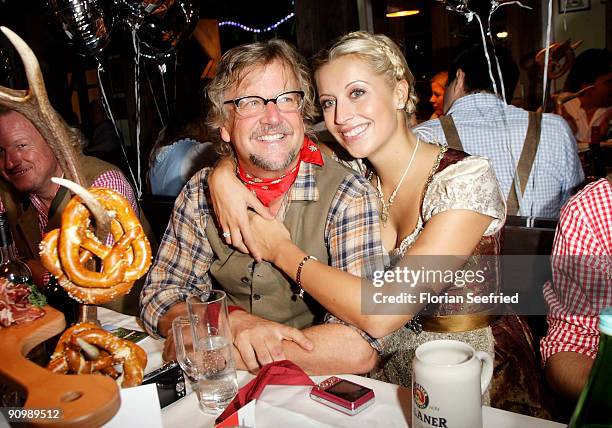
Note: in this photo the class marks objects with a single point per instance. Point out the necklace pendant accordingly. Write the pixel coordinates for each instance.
(384, 216)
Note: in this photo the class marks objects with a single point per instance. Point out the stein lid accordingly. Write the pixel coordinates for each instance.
(605, 321)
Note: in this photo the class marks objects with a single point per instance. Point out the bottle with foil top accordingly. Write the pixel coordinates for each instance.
(11, 268)
(594, 408)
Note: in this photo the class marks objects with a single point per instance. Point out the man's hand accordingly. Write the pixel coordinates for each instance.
(164, 327)
(259, 341)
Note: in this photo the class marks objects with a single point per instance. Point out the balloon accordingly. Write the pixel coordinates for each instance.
(85, 23)
(161, 32)
(5, 69)
(460, 6)
(134, 12)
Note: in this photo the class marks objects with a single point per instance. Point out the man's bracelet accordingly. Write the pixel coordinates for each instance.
(298, 275)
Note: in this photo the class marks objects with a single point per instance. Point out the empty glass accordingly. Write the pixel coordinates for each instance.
(212, 348)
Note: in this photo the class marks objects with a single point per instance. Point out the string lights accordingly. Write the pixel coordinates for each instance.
(257, 30)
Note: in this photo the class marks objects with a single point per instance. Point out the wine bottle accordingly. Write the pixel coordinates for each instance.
(594, 408)
(11, 268)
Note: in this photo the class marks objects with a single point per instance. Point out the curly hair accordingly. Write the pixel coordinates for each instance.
(235, 65)
(380, 52)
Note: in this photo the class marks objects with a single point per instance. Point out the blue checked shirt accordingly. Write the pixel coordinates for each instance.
(488, 127)
(352, 236)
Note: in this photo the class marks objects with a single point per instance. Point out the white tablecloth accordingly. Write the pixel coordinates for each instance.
(281, 406)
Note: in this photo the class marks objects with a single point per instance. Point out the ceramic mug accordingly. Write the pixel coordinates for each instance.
(448, 380)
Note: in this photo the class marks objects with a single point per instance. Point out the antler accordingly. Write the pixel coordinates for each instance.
(34, 105)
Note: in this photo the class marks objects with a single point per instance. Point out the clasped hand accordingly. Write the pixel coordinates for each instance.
(259, 341)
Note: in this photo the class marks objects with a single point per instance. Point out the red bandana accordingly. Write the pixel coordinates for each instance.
(269, 189)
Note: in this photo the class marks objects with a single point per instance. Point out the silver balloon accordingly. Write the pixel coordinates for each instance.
(134, 12)
(161, 32)
(85, 22)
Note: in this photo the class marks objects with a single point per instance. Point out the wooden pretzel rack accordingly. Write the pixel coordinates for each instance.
(82, 400)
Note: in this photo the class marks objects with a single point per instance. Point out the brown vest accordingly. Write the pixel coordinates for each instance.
(262, 289)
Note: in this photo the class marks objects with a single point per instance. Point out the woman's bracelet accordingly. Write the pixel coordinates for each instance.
(298, 275)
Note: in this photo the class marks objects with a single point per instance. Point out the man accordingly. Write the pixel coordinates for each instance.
(593, 107)
(35, 204)
(260, 100)
(581, 265)
(482, 124)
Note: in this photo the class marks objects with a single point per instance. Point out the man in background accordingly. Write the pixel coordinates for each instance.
(481, 123)
(33, 203)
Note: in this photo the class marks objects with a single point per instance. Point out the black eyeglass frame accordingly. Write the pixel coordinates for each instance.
(236, 101)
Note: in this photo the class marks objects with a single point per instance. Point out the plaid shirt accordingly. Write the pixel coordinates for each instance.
(112, 179)
(582, 287)
(352, 236)
(488, 127)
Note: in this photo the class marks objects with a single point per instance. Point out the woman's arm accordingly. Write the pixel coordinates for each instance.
(231, 201)
(453, 233)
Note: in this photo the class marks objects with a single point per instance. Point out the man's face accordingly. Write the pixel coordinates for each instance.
(601, 94)
(268, 143)
(453, 90)
(26, 160)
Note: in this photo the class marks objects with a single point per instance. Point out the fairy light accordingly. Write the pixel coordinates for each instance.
(257, 30)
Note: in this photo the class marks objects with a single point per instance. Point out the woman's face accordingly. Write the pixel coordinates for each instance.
(437, 97)
(360, 109)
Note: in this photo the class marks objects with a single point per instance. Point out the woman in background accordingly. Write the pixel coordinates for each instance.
(438, 86)
(183, 150)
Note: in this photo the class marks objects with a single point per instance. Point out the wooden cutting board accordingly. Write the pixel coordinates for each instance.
(84, 400)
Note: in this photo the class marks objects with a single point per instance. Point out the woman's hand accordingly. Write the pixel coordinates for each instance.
(231, 201)
(269, 236)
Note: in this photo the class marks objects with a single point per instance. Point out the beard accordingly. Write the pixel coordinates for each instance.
(268, 165)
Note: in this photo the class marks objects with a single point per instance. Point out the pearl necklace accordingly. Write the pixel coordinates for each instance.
(385, 206)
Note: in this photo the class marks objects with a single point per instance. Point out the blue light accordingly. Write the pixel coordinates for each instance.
(256, 30)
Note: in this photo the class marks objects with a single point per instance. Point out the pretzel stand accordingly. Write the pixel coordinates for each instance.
(84, 400)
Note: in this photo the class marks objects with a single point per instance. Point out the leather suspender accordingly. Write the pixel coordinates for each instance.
(450, 132)
(525, 163)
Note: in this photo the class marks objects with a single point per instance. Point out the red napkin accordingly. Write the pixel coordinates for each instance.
(277, 373)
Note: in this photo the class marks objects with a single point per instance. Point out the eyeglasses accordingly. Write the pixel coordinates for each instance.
(252, 105)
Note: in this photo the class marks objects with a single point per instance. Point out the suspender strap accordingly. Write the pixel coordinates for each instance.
(450, 132)
(525, 163)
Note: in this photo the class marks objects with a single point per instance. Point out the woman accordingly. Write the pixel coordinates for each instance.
(433, 201)
(438, 87)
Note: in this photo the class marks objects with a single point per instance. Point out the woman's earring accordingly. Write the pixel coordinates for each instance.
(401, 106)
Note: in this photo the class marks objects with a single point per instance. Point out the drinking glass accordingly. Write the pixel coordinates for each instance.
(185, 353)
(212, 344)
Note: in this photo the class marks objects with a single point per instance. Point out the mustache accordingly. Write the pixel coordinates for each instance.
(281, 128)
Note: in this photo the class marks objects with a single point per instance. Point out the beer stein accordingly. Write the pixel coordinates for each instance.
(448, 380)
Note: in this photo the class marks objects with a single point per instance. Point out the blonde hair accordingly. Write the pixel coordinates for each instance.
(238, 61)
(380, 52)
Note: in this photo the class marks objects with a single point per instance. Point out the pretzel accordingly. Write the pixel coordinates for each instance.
(64, 252)
(50, 259)
(68, 354)
(59, 362)
(134, 359)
